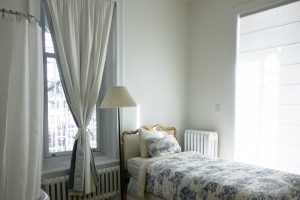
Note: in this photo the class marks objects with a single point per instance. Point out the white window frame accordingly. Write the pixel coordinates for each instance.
(47, 154)
(242, 11)
(66, 155)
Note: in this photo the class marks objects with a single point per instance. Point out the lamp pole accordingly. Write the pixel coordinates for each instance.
(118, 97)
(120, 155)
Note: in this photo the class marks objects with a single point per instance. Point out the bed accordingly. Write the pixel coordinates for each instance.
(191, 175)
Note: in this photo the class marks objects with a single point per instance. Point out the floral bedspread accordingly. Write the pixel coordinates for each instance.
(190, 175)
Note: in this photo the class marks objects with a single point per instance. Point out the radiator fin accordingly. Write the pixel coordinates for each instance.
(109, 186)
(205, 142)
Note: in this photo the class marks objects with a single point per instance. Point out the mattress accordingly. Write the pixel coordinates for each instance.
(134, 164)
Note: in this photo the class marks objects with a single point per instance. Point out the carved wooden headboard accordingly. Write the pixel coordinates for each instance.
(130, 141)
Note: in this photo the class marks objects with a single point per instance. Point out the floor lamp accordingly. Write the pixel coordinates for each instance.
(118, 97)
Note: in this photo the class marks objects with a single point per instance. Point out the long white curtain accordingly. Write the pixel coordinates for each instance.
(21, 103)
(80, 29)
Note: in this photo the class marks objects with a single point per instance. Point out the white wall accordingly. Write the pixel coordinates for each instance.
(155, 50)
(17, 5)
(212, 66)
(25, 6)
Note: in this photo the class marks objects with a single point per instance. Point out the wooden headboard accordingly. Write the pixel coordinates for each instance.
(130, 142)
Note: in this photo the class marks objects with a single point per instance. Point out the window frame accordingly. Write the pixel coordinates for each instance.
(240, 12)
(251, 9)
(58, 156)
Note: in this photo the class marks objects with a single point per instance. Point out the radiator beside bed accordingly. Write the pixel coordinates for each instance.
(205, 142)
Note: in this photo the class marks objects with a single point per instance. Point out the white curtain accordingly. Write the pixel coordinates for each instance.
(21, 106)
(80, 29)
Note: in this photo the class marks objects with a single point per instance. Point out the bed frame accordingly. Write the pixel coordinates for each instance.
(130, 142)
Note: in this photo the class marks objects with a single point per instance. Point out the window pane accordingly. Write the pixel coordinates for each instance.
(61, 126)
(48, 42)
(267, 102)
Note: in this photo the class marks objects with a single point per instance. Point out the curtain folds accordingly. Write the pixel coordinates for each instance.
(21, 108)
(80, 29)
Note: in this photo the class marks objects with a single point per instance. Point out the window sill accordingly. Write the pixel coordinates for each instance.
(62, 168)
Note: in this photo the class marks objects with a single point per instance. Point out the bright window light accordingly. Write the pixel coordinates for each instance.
(61, 125)
(267, 101)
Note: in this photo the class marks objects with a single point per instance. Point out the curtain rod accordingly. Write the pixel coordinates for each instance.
(18, 15)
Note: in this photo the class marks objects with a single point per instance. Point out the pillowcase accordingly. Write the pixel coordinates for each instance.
(163, 146)
(144, 135)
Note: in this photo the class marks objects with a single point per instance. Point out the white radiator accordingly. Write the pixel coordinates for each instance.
(203, 141)
(109, 186)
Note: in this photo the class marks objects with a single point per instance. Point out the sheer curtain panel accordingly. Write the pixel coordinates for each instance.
(21, 108)
(80, 29)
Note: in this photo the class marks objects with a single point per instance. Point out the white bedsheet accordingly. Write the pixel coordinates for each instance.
(137, 168)
(134, 165)
(133, 189)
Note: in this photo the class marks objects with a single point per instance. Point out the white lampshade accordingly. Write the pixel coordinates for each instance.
(117, 96)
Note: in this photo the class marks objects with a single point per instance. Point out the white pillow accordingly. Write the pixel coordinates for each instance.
(144, 135)
(162, 146)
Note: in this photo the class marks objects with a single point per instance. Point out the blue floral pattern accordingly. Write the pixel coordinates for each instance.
(190, 175)
(162, 146)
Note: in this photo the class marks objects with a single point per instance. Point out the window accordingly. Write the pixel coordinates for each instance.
(267, 105)
(60, 124)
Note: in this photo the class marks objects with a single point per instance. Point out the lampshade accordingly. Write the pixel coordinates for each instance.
(117, 96)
